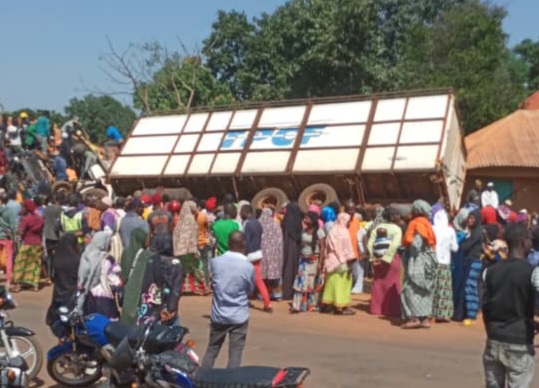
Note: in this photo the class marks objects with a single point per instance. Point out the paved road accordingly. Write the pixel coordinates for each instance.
(347, 352)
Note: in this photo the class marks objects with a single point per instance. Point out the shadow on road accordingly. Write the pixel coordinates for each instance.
(364, 306)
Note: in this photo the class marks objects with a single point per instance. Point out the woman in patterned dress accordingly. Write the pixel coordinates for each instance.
(185, 240)
(446, 242)
(28, 262)
(419, 268)
(308, 283)
(272, 253)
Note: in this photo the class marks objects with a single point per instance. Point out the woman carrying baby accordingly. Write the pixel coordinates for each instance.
(383, 246)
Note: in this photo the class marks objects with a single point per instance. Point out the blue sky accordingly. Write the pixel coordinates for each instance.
(50, 49)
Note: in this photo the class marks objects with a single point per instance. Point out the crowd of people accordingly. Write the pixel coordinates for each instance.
(62, 146)
(132, 258)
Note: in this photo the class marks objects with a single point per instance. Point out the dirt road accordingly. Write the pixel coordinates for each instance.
(341, 351)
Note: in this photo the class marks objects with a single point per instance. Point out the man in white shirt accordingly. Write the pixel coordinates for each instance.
(489, 197)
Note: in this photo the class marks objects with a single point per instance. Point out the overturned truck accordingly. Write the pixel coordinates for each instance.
(384, 148)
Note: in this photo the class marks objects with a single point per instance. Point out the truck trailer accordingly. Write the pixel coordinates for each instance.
(377, 149)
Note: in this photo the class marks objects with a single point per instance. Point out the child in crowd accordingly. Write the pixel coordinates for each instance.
(381, 245)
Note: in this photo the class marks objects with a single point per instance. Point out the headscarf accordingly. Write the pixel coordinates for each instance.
(435, 209)
(133, 274)
(90, 264)
(442, 231)
(472, 246)
(420, 225)
(272, 246)
(328, 214)
(292, 223)
(339, 244)
(137, 242)
(316, 209)
(460, 219)
(422, 207)
(66, 265)
(185, 237)
(29, 206)
(211, 204)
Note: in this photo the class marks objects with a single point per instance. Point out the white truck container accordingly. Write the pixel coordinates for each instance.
(385, 148)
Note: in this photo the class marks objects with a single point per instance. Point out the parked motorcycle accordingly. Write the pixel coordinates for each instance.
(21, 356)
(181, 369)
(87, 344)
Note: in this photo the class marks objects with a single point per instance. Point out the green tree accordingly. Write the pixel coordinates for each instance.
(311, 48)
(97, 112)
(466, 48)
(181, 84)
(316, 47)
(528, 52)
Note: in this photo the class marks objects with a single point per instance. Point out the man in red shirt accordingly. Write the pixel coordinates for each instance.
(489, 215)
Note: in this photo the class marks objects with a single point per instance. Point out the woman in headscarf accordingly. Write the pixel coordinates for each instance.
(272, 253)
(185, 241)
(339, 253)
(419, 268)
(386, 285)
(66, 267)
(471, 251)
(307, 284)
(313, 207)
(28, 262)
(446, 243)
(99, 278)
(457, 264)
(292, 227)
(133, 264)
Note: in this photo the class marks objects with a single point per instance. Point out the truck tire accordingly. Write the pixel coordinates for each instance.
(98, 193)
(272, 195)
(62, 187)
(320, 191)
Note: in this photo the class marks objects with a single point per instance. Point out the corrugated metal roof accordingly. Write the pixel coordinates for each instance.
(510, 142)
(532, 102)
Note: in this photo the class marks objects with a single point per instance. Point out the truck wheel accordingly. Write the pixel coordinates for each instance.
(62, 187)
(319, 191)
(98, 193)
(271, 196)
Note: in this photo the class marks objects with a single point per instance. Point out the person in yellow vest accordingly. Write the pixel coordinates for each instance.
(72, 220)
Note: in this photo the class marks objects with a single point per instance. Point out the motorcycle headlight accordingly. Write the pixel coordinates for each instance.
(64, 319)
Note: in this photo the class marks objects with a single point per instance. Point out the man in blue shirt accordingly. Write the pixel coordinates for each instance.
(43, 131)
(114, 139)
(232, 282)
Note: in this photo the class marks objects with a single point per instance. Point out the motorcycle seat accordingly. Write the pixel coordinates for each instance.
(242, 377)
(116, 332)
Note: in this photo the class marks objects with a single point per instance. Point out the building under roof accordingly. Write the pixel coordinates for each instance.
(506, 152)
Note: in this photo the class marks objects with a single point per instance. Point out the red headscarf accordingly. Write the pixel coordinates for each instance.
(29, 205)
(211, 204)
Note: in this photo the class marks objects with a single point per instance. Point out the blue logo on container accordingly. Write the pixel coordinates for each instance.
(280, 138)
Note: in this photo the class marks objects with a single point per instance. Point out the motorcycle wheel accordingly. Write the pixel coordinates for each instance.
(29, 349)
(74, 369)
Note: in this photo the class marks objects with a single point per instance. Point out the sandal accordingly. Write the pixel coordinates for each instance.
(425, 324)
(35, 289)
(411, 325)
(348, 311)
